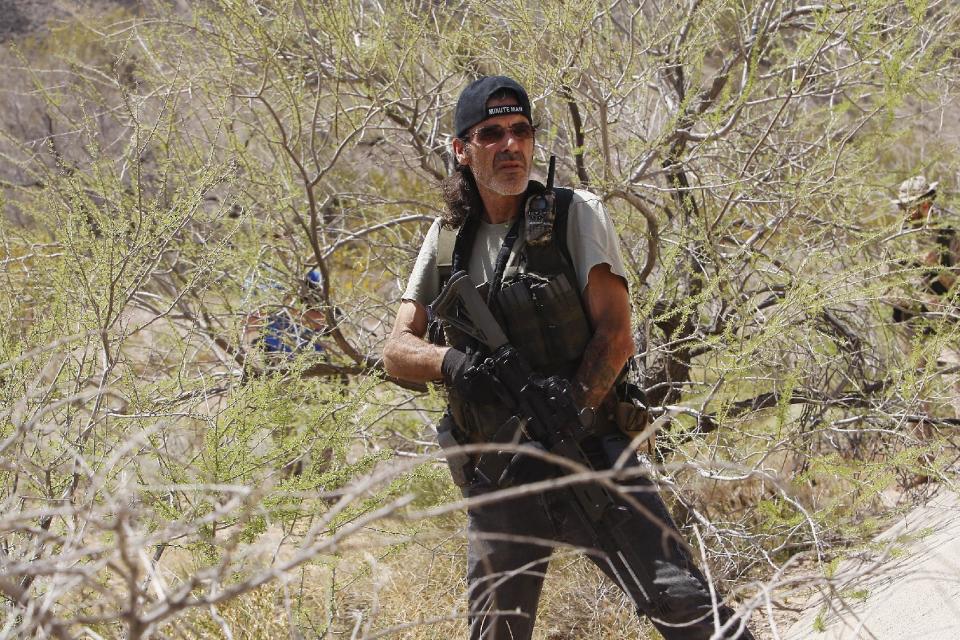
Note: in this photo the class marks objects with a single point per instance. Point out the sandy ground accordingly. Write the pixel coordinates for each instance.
(906, 586)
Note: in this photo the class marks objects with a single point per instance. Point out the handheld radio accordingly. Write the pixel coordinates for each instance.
(540, 212)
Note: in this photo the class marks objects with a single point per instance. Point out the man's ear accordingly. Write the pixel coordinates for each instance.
(460, 151)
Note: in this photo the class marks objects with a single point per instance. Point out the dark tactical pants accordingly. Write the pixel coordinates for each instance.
(510, 542)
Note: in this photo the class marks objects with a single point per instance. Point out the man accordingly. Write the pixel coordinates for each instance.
(927, 304)
(565, 306)
(294, 328)
(936, 249)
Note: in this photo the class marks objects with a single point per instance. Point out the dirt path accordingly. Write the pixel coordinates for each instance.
(907, 585)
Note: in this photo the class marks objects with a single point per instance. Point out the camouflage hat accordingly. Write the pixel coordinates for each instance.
(915, 189)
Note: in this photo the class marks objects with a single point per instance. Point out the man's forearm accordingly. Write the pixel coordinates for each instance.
(413, 359)
(603, 360)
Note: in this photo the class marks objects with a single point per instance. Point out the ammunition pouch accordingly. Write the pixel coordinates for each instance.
(545, 320)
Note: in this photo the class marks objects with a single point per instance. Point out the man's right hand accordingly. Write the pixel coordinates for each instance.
(461, 373)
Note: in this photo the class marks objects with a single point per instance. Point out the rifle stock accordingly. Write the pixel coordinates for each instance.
(460, 305)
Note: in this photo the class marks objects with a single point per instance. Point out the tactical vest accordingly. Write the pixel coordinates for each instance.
(537, 302)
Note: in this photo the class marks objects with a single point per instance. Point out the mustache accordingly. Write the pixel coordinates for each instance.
(508, 156)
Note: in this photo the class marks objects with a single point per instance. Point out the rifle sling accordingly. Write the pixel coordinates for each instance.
(501, 264)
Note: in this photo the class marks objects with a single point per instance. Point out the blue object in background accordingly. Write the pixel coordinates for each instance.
(282, 335)
(314, 278)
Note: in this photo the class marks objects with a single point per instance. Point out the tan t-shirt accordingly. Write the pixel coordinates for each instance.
(591, 238)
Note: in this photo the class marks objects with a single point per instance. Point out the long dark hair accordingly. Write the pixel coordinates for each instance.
(461, 197)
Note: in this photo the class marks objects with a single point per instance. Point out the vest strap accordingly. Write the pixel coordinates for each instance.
(446, 241)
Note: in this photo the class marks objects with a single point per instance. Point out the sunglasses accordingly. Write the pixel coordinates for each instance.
(494, 132)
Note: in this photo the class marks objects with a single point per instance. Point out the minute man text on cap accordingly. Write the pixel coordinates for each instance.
(504, 109)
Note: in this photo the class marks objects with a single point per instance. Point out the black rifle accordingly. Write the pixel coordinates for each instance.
(544, 415)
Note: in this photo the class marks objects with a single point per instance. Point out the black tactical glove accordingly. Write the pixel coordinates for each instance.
(461, 373)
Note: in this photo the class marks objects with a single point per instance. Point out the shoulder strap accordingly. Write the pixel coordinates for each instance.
(501, 264)
(445, 244)
(453, 248)
(562, 199)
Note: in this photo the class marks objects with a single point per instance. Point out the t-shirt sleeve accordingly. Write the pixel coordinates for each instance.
(424, 283)
(592, 238)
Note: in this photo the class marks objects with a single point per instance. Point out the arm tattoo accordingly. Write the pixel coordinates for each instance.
(602, 363)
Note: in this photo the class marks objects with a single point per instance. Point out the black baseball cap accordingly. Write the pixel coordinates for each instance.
(472, 103)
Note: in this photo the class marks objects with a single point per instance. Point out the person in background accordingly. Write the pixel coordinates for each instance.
(295, 326)
(926, 307)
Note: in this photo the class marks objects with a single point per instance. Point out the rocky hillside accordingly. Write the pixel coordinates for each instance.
(25, 16)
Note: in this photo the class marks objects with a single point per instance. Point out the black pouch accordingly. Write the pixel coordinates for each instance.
(563, 320)
(461, 464)
(519, 309)
(545, 320)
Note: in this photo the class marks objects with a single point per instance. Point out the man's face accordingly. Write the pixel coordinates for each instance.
(502, 166)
